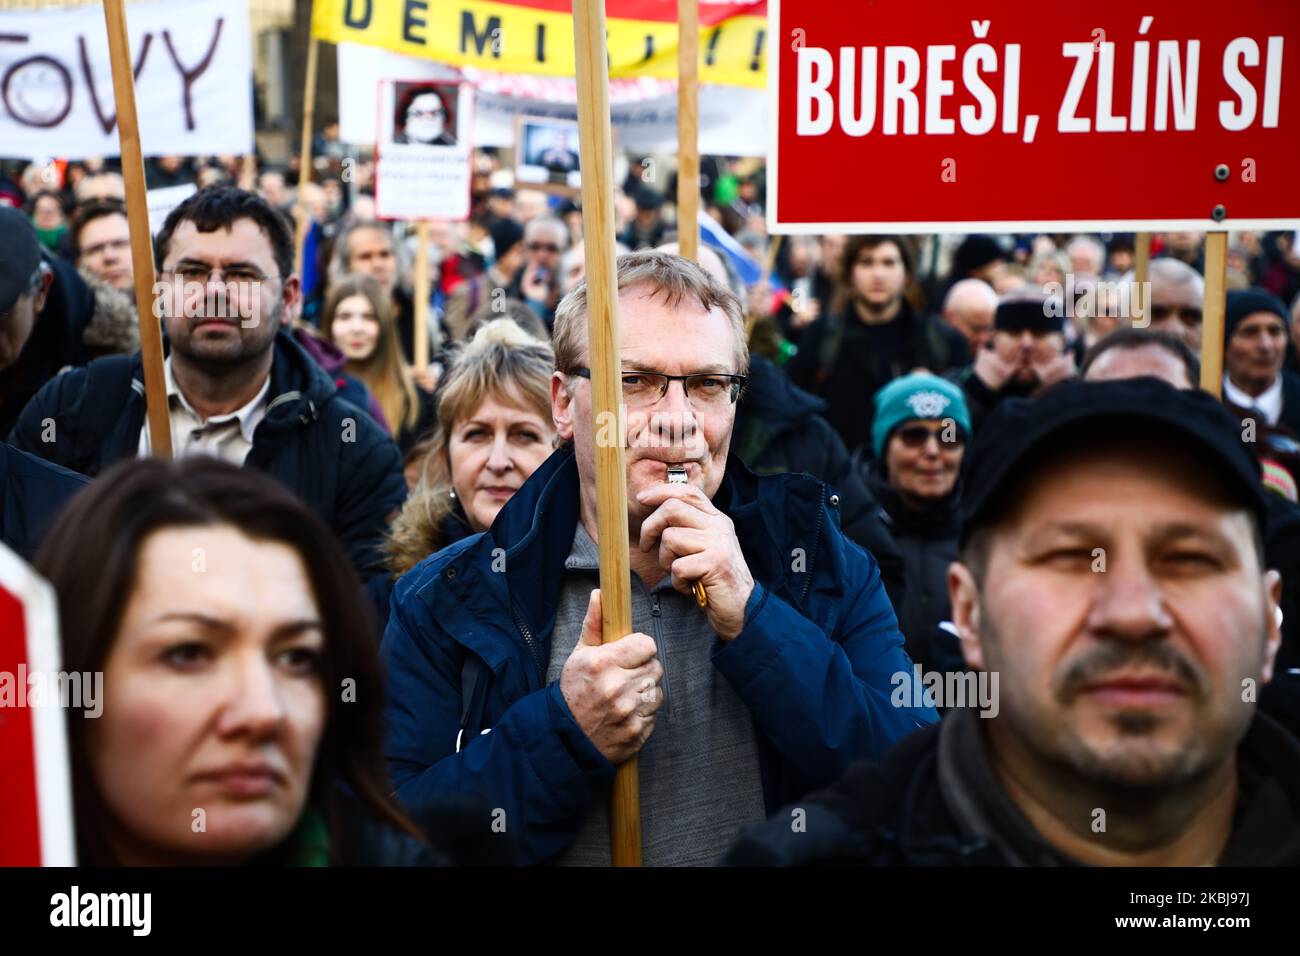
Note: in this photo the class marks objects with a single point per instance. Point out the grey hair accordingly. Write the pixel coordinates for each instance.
(1093, 245)
(338, 266)
(669, 276)
(1176, 273)
(535, 226)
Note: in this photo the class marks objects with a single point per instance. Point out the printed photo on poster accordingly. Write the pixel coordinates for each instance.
(547, 153)
(423, 150)
(425, 113)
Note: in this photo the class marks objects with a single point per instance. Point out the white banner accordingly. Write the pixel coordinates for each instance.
(193, 88)
(163, 200)
(733, 120)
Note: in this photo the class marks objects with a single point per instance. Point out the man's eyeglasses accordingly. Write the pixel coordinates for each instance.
(916, 436)
(704, 389)
(242, 276)
(550, 247)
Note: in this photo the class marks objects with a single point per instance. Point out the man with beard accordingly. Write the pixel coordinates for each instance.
(1112, 575)
(238, 386)
(1027, 353)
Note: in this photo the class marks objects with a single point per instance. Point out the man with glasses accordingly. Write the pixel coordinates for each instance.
(101, 243)
(238, 386)
(538, 281)
(770, 685)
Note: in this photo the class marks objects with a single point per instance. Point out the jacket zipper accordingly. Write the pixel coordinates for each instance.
(817, 537)
(528, 638)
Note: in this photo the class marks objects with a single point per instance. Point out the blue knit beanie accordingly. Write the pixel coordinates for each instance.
(916, 396)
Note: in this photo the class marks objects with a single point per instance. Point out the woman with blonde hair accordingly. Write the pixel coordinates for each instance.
(359, 319)
(493, 430)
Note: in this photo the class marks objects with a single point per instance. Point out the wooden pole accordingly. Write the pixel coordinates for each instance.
(421, 358)
(607, 395)
(1141, 262)
(304, 163)
(137, 208)
(1216, 275)
(769, 263)
(688, 128)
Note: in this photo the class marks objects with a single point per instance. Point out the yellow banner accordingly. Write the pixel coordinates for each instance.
(522, 38)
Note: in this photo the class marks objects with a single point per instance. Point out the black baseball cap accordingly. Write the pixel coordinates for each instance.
(1020, 432)
(20, 254)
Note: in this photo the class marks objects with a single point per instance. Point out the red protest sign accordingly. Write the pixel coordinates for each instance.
(35, 793)
(1003, 115)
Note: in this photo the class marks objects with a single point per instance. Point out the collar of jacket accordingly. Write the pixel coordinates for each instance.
(1265, 831)
(770, 406)
(787, 530)
(936, 519)
(299, 387)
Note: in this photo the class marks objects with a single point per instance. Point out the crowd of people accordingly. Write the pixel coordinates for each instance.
(976, 557)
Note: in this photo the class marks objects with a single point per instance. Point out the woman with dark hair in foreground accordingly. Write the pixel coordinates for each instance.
(241, 691)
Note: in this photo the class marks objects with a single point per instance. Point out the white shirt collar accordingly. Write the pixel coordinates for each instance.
(249, 415)
(1268, 401)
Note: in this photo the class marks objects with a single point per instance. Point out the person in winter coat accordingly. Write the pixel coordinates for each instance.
(493, 430)
(919, 438)
(780, 428)
(1120, 731)
(32, 492)
(499, 686)
(239, 387)
(219, 700)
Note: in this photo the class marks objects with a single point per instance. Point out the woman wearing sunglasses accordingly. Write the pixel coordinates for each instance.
(918, 439)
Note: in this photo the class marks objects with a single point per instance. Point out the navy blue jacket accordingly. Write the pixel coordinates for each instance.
(332, 455)
(32, 492)
(467, 646)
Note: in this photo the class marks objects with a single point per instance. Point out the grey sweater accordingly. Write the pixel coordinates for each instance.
(699, 771)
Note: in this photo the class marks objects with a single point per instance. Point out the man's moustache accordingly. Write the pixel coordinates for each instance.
(1118, 656)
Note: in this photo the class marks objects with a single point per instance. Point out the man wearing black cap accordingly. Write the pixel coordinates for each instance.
(1112, 576)
(31, 490)
(1254, 352)
(44, 311)
(1027, 353)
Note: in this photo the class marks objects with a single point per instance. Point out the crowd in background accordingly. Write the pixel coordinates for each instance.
(875, 362)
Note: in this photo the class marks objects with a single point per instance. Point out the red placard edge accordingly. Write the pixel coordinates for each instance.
(53, 782)
(1206, 224)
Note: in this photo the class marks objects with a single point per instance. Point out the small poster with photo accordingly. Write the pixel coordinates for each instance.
(423, 154)
(547, 155)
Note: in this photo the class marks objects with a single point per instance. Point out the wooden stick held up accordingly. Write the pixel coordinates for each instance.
(606, 390)
(137, 208)
(1141, 263)
(688, 128)
(421, 314)
(304, 163)
(1216, 276)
